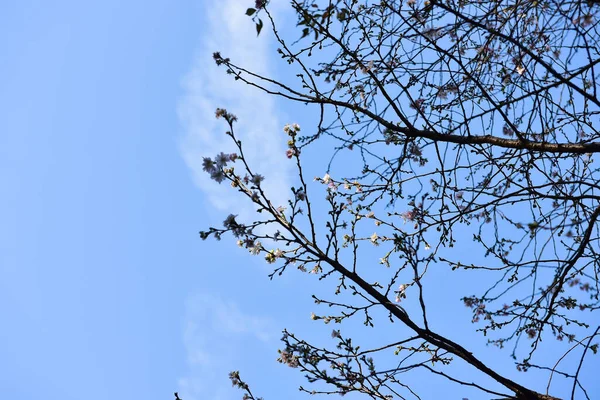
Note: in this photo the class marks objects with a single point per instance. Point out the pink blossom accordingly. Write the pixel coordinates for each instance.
(408, 215)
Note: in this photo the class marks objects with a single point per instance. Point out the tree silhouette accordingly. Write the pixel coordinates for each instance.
(467, 131)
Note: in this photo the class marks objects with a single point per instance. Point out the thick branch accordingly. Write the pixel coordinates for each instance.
(556, 148)
(521, 392)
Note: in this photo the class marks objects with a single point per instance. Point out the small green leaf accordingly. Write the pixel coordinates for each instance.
(250, 11)
(259, 26)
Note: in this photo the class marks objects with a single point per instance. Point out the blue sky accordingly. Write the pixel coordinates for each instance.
(105, 288)
(100, 260)
(97, 205)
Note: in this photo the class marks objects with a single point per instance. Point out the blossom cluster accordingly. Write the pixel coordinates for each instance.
(253, 246)
(401, 293)
(478, 308)
(374, 238)
(409, 215)
(215, 166)
(273, 255)
(234, 376)
(288, 358)
(231, 224)
(418, 104)
(292, 130)
(355, 184)
(392, 137)
(219, 59)
(255, 179)
(332, 185)
(299, 194)
(223, 113)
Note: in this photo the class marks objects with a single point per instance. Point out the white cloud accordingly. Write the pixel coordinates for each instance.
(215, 329)
(213, 334)
(207, 87)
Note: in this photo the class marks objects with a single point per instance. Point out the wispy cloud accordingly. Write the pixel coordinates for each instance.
(213, 335)
(216, 330)
(207, 87)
